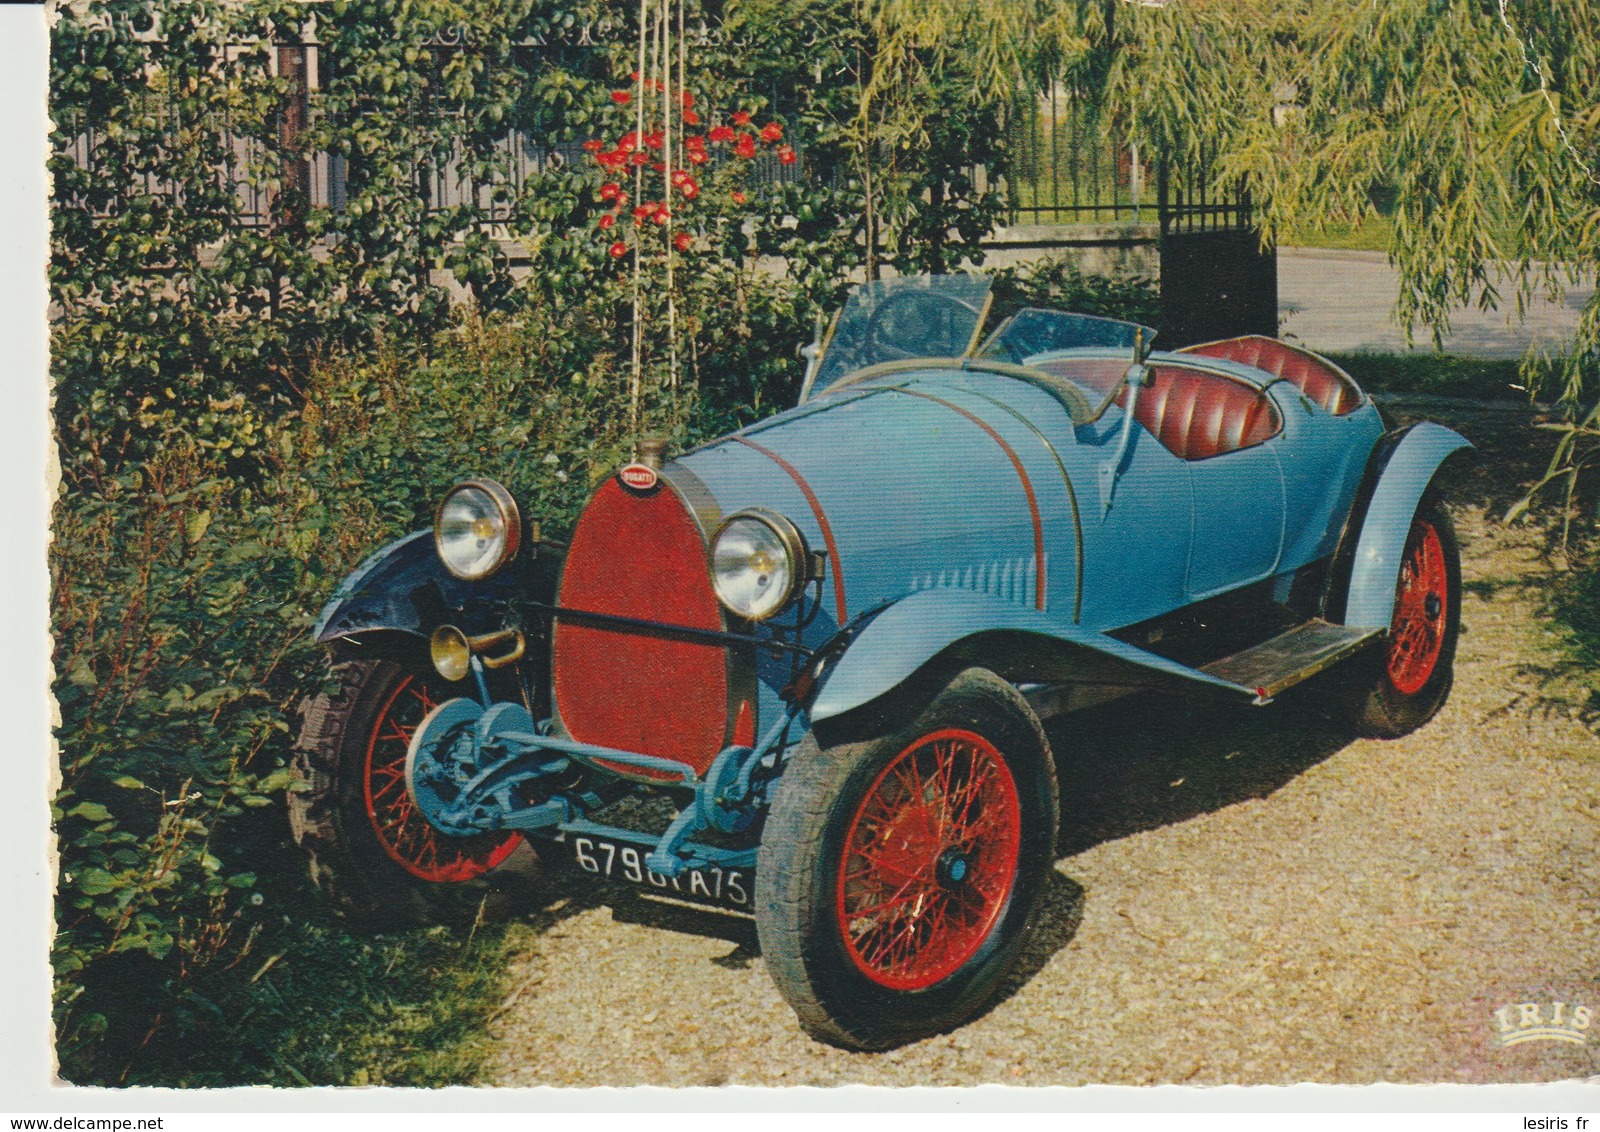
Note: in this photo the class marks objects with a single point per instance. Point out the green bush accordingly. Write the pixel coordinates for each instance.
(1060, 284)
(181, 322)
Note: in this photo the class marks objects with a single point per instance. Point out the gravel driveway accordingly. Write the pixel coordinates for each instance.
(1243, 896)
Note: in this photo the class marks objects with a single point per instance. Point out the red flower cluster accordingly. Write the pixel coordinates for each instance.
(633, 150)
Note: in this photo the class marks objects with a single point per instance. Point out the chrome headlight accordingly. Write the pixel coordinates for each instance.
(758, 563)
(477, 529)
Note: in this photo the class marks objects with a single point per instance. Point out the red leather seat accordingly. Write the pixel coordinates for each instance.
(1319, 379)
(1197, 415)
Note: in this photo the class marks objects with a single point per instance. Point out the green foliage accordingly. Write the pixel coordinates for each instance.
(1574, 607)
(1443, 375)
(896, 128)
(1474, 128)
(179, 321)
(1059, 284)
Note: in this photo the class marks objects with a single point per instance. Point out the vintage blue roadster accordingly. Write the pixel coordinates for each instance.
(800, 671)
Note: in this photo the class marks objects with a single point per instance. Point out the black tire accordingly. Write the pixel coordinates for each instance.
(843, 969)
(1401, 685)
(372, 859)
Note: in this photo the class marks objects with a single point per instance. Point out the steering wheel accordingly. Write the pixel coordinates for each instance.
(928, 308)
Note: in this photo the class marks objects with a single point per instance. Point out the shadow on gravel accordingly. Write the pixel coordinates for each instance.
(1152, 761)
(1057, 921)
(561, 893)
(630, 906)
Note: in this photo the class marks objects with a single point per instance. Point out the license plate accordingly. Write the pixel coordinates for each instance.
(617, 860)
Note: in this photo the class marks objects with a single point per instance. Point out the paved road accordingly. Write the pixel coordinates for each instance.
(1343, 301)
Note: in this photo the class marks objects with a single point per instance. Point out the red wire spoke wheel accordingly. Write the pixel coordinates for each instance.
(1398, 688)
(1417, 633)
(370, 849)
(928, 860)
(902, 861)
(400, 828)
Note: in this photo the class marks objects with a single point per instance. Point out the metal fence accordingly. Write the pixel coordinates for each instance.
(249, 168)
(1190, 203)
(1065, 167)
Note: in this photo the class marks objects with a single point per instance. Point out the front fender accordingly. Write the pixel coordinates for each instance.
(1375, 567)
(404, 588)
(1017, 643)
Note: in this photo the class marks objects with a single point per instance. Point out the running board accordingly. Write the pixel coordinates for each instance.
(1290, 657)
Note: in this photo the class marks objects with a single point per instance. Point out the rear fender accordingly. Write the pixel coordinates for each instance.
(404, 589)
(1401, 482)
(963, 627)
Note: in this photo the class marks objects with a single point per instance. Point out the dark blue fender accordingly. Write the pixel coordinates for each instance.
(405, 588)
(1018, 643)
(1402, 481)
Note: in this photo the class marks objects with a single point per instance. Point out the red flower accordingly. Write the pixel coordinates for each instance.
(618, 250)
(694, 141)
(721, 133)
(628, 142)
(745, 146)
(682, 241)
(679, 176)
(593, 145)
(641, 159)
(741, 117)
(642, 213)
(658, 86)
(607, 220)
(610, 191)
(690, 189)
(662, 214)
(659, 166)
(633, 76)
(610, 160)
(771, 132)
(786, 155)
(688, 98)
(654, 141)
(698, 157)
(621, 97)
(738, 197)
(690, 117)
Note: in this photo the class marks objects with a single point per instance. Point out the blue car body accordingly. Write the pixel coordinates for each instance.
(1044, 506)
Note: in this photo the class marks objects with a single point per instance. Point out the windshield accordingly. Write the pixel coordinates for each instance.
(914, 316)
(942, 316)
(1032, 332)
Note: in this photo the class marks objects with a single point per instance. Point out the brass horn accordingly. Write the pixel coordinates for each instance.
(452, 650)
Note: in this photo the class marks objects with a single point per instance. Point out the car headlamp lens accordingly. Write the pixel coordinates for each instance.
(757, 563)
(477, 529)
